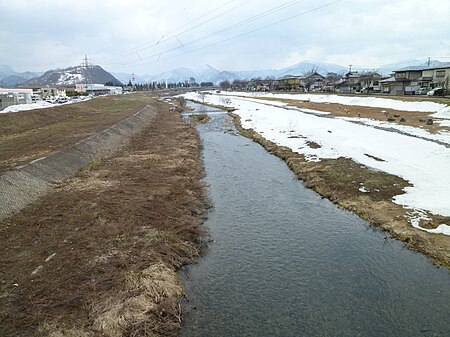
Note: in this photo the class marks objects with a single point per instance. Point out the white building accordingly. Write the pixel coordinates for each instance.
(101, 89)
(15, 96)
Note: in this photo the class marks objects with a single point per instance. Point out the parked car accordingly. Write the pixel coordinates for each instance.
(423, 91)
(63, 99)
(435, 92)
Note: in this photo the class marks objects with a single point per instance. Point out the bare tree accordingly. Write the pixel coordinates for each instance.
(367, 79)
(308, 78)
(225, 85)
(332, 77)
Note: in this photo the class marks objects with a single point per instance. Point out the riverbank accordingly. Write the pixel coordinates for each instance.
(99, 254)
(339, 181)
(362, 190)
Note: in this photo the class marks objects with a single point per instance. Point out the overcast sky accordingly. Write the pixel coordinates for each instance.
(150, 36)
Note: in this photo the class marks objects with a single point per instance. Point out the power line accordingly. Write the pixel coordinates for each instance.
(210, 19)
(171, 35)
(239, 35)
(225, 29)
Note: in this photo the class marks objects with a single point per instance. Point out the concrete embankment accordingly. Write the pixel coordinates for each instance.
(25, 184)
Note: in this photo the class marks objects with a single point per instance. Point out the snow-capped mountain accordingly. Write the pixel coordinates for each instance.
(208, 73)
(307, 66)
(74, 75)
(205, 73)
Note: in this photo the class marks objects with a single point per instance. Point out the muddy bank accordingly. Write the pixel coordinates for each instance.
(339, 180)
(98, 255)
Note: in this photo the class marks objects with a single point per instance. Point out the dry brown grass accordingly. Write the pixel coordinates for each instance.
(145, 307)
(108, 242)
(28, 135)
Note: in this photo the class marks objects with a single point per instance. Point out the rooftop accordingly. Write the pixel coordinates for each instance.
(421, 68)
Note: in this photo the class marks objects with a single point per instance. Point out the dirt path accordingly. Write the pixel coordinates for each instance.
(98, 255)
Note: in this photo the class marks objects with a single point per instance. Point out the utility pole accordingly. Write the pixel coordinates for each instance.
(348, 78)
(429, 61)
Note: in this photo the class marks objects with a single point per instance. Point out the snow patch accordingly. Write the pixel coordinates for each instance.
(31, 106)
(415, 216)
(422, 163)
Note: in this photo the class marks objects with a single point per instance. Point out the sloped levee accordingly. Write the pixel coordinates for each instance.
(23, 185)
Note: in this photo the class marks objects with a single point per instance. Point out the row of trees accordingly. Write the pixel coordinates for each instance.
(160, 85)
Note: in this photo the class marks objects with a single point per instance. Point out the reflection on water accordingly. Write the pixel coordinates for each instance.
(285, 262)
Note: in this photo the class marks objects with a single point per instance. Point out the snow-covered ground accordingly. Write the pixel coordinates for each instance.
(375, 102)
(37, 105)
(423, 163)
(442, 136)
(31, 106)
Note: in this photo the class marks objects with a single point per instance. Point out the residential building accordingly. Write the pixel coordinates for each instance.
(15, 96)
(350, 82)
(290, 82)
(313, 82)
(414, 79)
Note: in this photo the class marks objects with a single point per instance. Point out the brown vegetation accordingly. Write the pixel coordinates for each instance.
(29, 135)
(97, 257)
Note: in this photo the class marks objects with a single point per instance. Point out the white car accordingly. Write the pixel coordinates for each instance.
(435, 91)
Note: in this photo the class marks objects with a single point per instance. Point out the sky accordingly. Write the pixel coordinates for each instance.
(150, 36)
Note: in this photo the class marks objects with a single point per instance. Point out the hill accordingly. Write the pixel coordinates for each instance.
(10, 78)
(74, 75)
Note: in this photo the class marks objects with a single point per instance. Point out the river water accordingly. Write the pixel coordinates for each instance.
(285, 262)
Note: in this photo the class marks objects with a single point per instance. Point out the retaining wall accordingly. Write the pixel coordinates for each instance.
(24, 185)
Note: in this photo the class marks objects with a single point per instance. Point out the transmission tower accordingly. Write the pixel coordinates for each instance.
(87, 77)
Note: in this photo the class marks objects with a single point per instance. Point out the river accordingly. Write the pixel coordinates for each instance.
(286, 262)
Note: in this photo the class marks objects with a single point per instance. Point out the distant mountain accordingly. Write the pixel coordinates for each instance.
(10, 78)
(208, 73)
(306, 66)
(183, 74)
(387, 69)
(6, 71)
(74, 75)
(248, 74)
(126, 77)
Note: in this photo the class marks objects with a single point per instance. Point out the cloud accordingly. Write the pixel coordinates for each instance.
(122, 35)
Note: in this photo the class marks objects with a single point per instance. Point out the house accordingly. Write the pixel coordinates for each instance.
(290, 82)
(370, 82)
(441, 76)
(313, 82)
(414, 80)
(350, 82)
(392, 86)
(15, 96)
